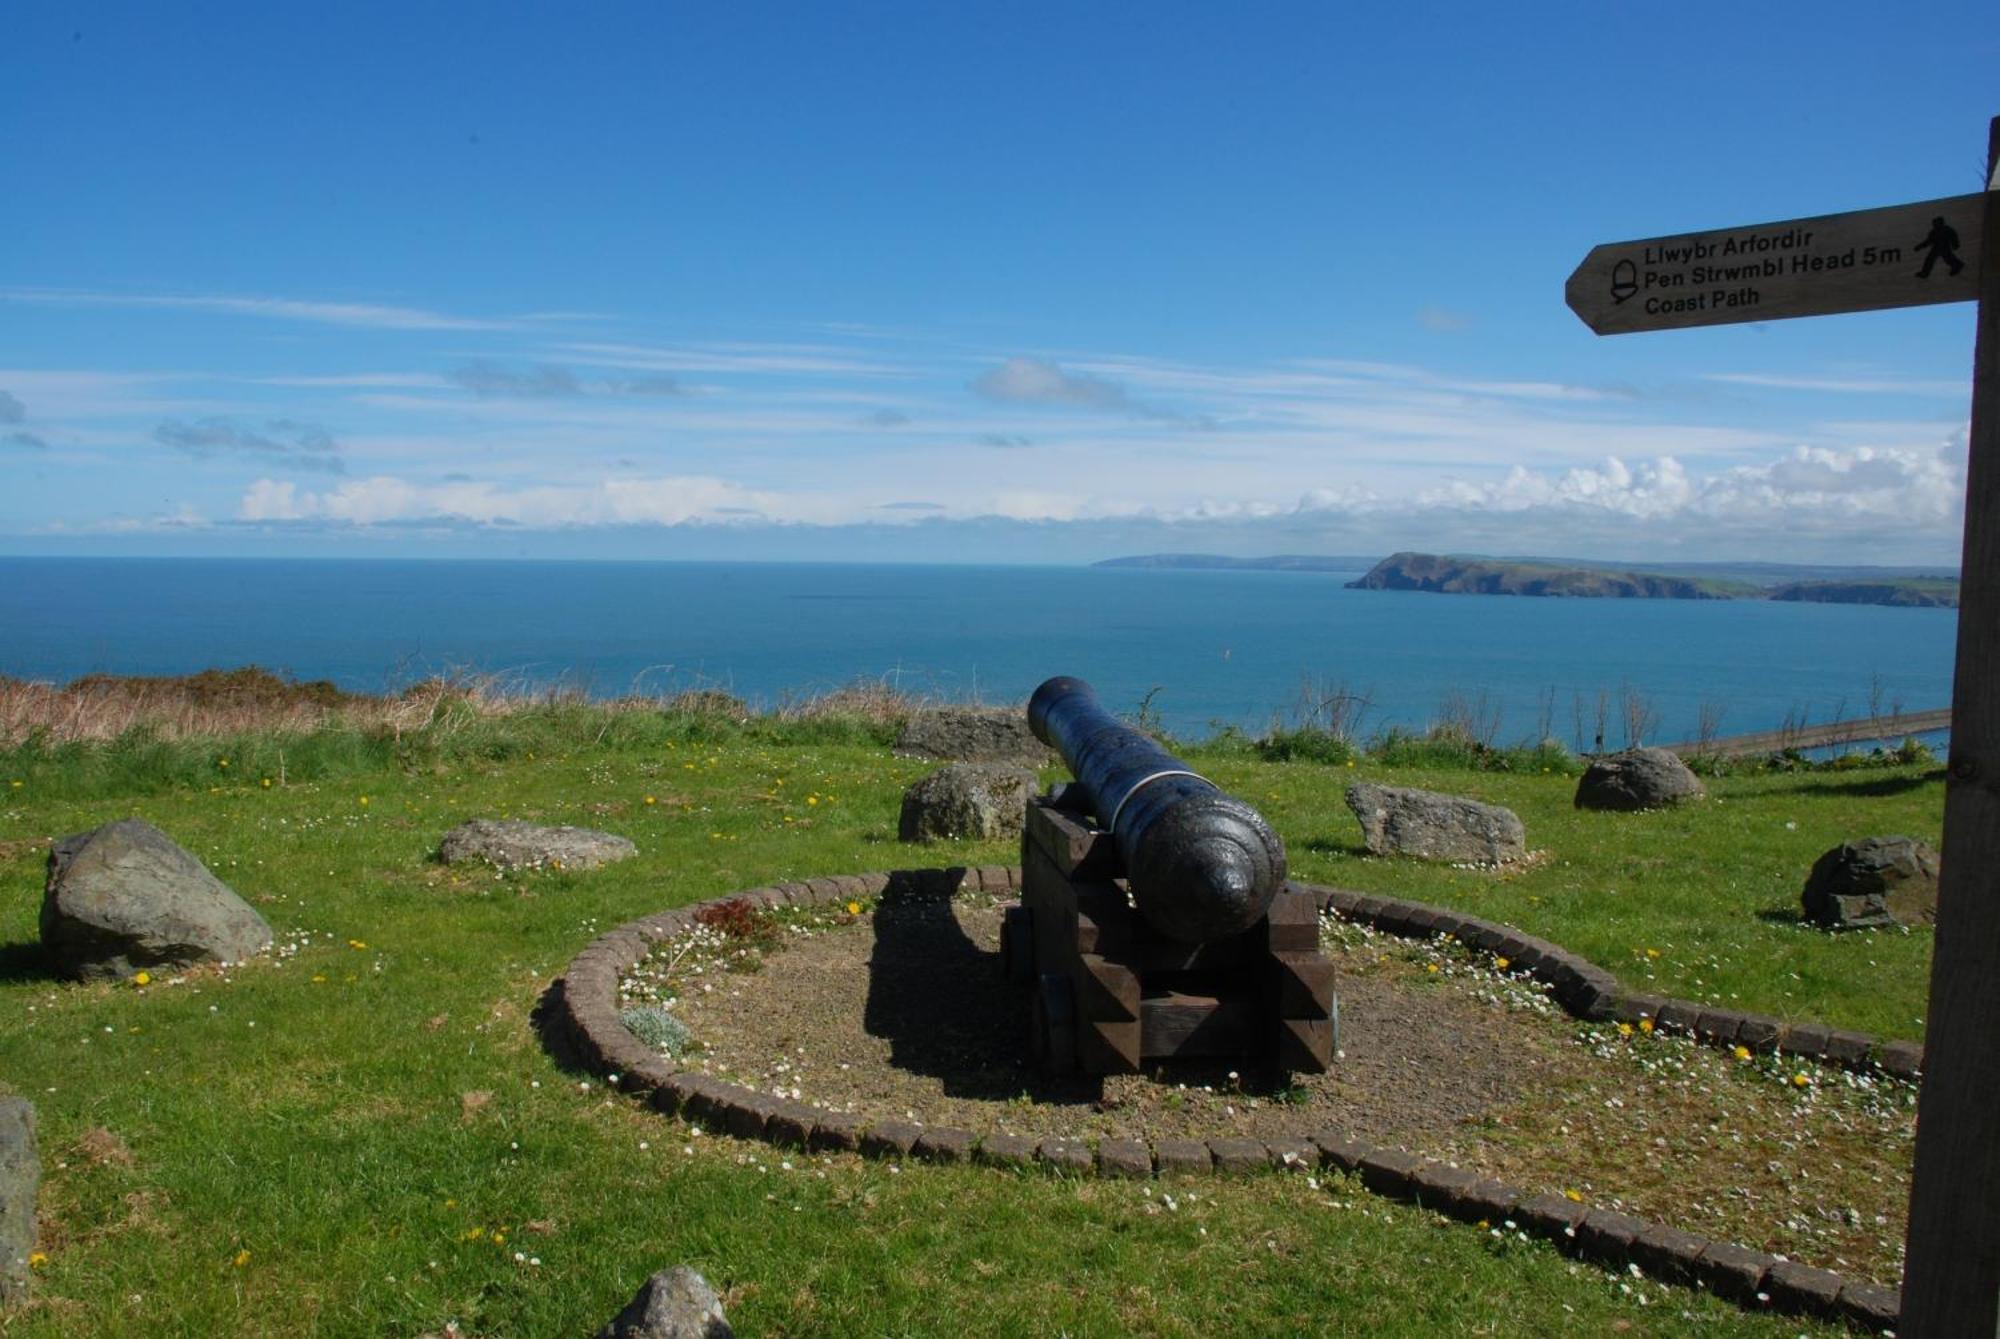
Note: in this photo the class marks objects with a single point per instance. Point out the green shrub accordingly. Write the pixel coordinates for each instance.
(1306, 744)
(658, 1028)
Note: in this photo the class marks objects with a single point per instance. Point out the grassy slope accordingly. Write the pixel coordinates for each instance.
(331, 1140)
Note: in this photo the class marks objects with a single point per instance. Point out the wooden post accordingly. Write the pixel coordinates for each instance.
(1951, 1281)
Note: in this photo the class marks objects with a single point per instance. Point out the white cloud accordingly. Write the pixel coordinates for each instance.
(1811, 492)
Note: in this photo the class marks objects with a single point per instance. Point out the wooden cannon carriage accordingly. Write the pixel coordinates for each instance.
(1167, 931)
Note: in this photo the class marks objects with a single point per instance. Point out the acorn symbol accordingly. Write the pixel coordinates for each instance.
(1624, 280)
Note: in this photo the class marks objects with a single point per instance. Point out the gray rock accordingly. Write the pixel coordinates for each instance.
(967, 800)
(511, 844)
(973, 734)
(123, 896)
(20, 1173)
(1396, 820)
(1875, 881)
(675, 1303)
(1637, 779)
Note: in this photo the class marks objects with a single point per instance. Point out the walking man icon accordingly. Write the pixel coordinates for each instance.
(1941, 243)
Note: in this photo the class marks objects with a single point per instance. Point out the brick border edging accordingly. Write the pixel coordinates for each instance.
(586, 1006)
(1589, 992)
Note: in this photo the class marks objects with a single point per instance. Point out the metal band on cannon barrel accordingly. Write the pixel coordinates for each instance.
(1202, 864)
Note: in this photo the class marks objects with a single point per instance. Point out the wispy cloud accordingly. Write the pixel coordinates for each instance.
(1857, 385)
(415, 381)
(12, 414)
(385, 500)
(485, 377)
(1031, 381)
(1442, 320)
(1042, 384)
(651, 383)
(728, 357)
(370, 316)
(1002, 440)
(301, 445)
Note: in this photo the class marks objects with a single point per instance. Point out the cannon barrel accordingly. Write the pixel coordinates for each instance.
(1201, 864)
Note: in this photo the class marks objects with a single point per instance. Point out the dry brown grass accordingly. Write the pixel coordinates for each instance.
(222, 702)
(866, 699)
(252, 699)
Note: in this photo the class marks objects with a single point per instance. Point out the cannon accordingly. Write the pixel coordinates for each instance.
(1201, 864)
(1155, 921)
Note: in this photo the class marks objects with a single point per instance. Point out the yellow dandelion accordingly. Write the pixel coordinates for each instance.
(1624, 1029)
(357, 943)
(651, 800)
(243, 1257)
(1501, 964)
(474, 1233)
(1801, 1081)
(1431, 967)
(854, 908)
(1576, 1195)
(17, 784)
(36, 1259)
(318, 977)
(142, 979)
(1741, 1053)
(1645, 1025)
(222, 764)
(265, 783)
(812, 799)
(1652, 953)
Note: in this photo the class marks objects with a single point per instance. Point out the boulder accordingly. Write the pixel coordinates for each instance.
(124, 896)
(511, 844)
(1396, 820)
(973, 734)
(961, 799)
(1875, 881)
(675, 1303)
(20, 1173)
(1637, 779)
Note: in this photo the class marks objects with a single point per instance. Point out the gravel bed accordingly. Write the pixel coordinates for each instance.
(896, 1010)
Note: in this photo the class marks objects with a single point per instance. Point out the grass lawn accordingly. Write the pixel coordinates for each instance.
(362, 1135)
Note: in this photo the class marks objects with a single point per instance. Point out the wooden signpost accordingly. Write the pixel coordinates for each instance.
(1902, 256)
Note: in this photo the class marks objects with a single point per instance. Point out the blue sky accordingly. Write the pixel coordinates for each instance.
(956, 283)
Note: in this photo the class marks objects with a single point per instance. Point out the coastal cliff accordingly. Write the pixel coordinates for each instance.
(1919, 593)
(1486, 576)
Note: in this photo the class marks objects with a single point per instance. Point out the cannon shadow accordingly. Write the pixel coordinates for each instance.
(940, 1002)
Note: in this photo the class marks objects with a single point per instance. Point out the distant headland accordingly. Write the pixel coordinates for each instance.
(1455, 575)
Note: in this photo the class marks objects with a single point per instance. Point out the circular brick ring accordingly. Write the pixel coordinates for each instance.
(585, 1007)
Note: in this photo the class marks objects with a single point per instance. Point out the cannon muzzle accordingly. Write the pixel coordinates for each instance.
(1201, 864)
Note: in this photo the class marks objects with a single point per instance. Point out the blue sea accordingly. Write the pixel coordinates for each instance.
(1208, 648)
